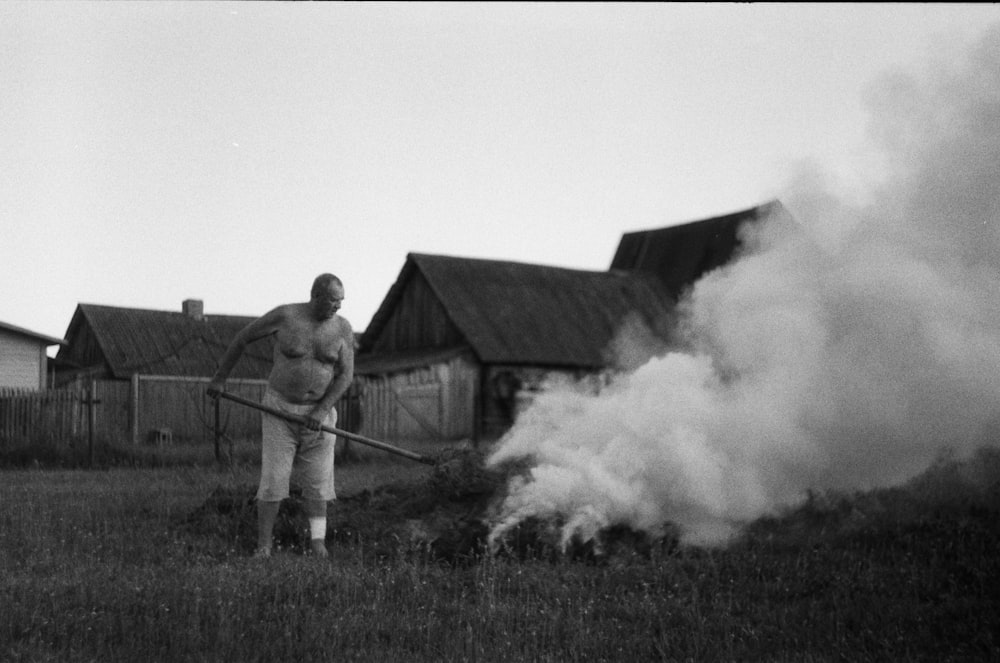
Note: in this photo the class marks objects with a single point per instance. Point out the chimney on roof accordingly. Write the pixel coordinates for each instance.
(194, 308)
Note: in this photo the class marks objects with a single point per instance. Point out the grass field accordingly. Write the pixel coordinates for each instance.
(97, 565)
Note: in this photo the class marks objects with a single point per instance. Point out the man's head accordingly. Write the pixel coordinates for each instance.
(326, 296)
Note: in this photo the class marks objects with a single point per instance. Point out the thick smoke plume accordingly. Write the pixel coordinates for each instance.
(847, 350)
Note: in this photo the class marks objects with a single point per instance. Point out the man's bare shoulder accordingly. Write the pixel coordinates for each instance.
(289, 312)
(343, 322)
(342, 326)
(266, 324)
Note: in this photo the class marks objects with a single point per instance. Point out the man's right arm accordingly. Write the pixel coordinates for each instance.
(263, 326)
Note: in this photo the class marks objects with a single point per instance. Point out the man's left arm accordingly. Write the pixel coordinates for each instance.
(343, 376)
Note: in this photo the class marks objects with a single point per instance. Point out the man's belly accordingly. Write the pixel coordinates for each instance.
(301, 381)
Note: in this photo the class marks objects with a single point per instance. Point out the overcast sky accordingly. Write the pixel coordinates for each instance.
(152, 152)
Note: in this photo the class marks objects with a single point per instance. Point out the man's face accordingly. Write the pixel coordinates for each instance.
(326, 301)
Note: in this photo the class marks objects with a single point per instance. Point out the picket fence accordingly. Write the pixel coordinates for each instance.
(146, 409)
(42, 416)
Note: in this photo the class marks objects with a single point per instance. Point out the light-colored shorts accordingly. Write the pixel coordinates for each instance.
(294, 455)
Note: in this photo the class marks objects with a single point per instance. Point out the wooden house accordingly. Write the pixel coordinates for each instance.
(112, 342)
(457, 341)
(149, 370)
(23, 358)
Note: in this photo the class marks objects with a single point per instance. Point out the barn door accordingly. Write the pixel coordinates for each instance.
(418, 416)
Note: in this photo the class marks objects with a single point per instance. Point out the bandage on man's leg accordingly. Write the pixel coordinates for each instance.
(316, 512)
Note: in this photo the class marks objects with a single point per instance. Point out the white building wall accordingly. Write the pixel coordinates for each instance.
(22, 361)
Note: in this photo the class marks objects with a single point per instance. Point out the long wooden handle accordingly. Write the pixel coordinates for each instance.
(329, 429)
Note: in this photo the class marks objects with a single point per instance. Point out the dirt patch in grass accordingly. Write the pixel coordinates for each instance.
(445, 514)
(441, 514)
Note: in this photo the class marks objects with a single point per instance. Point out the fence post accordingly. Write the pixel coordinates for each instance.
(218, 429)
(134, 408)
(91, 404)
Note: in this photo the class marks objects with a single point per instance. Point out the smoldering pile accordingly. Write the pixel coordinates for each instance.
(447, 518)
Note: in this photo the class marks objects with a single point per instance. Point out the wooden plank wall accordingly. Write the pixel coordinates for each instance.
(387, 414)
(417, 322)
(111, 412)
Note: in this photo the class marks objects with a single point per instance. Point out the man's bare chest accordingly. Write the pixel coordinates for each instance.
(307, 341)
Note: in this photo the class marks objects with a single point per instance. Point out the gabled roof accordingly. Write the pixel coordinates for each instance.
(153, 342)
(680, 254)
(35, 336)
(518, 313)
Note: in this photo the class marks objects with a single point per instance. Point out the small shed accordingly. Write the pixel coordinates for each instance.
(458, 343)
(150, 369)
(23, 358)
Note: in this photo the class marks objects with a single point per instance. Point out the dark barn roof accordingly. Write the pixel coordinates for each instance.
(681, 254)
(518, 313)
(128, 341)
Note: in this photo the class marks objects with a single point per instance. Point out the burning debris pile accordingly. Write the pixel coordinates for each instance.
(448, 517)
(442, 517)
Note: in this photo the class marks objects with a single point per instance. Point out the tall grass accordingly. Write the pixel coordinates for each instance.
(96, 566)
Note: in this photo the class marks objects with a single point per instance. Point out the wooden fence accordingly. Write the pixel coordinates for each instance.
(145, 409)
(46, 416)
(180, 408)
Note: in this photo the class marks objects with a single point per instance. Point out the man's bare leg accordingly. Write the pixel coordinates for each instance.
(267, 515)
(316, 512)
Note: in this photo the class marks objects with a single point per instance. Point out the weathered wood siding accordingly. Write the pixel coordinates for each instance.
(84, 352)
(436, 402)
(418, 321)
(22, 361)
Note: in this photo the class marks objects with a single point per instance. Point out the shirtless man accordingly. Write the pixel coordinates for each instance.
(313, 367)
